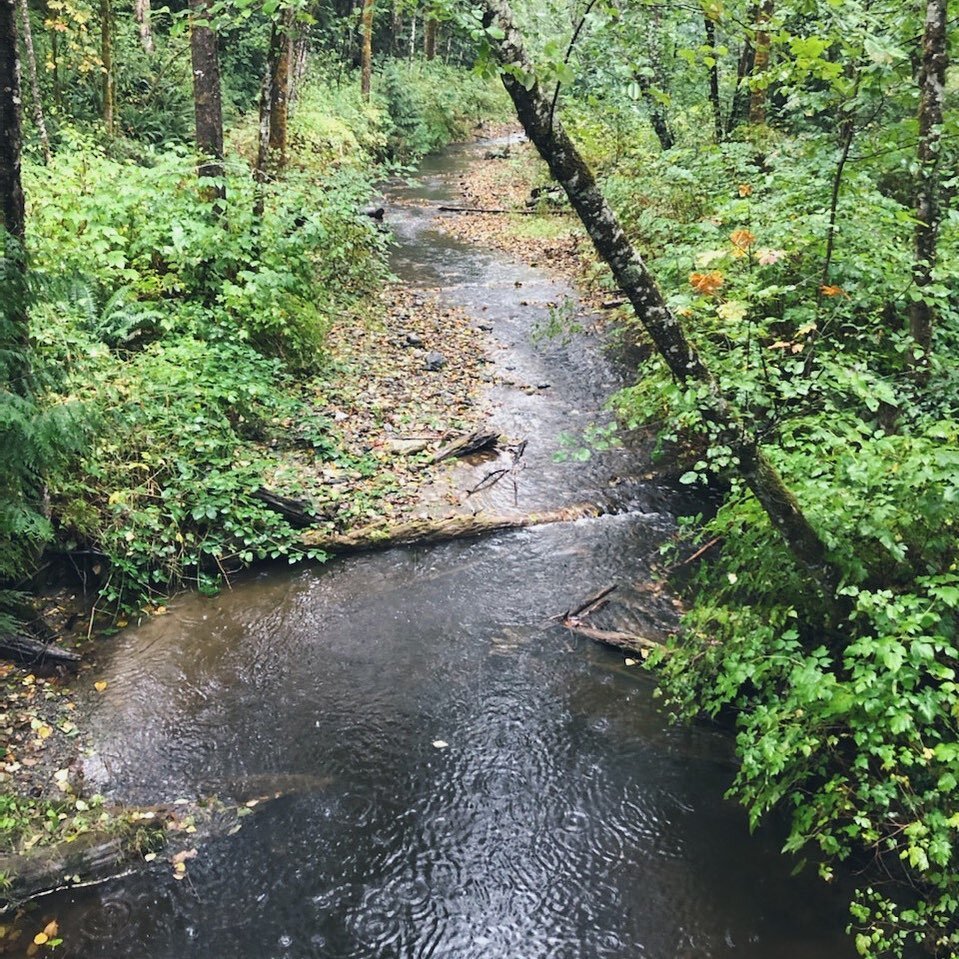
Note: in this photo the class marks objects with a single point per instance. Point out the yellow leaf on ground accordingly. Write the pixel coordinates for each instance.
(40, 938)
(100, 685)
(51, 928)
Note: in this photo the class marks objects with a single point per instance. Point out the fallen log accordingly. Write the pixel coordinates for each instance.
(297, 513)
(631, 642)
(33, 652)
(470, 443)
(383, 535)
(479, 209)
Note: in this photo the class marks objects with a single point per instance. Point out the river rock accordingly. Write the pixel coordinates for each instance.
(434, 361)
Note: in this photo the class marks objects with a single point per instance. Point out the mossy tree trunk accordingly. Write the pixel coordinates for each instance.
(366, 54)
(36, 99)
(207, 99)
(932, 84)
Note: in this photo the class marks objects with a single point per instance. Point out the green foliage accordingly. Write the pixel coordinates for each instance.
(431, 104)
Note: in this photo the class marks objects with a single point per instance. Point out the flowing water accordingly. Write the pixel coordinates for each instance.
(461, 777)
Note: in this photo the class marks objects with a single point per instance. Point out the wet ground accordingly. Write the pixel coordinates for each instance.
(461, 777)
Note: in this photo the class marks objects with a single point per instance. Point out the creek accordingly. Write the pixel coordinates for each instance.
(461, 776)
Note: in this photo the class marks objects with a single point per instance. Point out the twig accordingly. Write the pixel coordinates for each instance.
(699, 552)
(476, 209)
(589, 605)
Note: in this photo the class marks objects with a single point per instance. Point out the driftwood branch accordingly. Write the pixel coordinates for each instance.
(631, 642)
(32, 652)
(464, 445)
(591, 604)
(383, 535)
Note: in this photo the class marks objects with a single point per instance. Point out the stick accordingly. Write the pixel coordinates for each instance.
(588, 606)
(699, 552)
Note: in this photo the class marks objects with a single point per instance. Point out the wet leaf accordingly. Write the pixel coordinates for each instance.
(440, 744)
(100, 685)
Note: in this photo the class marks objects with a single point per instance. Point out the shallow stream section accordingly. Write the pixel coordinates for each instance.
(461, 777)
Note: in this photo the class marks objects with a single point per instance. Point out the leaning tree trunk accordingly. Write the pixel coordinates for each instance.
(141, 11)
(714, 101)
(34, 82)
(932, 82)
(429, 42)
(366, 56)
(761, 46)
(107, 92)
(281, 49)
(14, 324)
(207, 103)
(569, 169)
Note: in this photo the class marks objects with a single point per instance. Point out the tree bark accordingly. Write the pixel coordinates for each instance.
(107, 92)
(141, 10)
(34, 82)
(366, 55)
(12, 207)
(429, 42)
(281, 57)
(657, 113)
(738, 108)
(761, 45)
(207, 103)
(932, 82)
(714, 101)
(633, 278)
(14, 321)
(261, 172)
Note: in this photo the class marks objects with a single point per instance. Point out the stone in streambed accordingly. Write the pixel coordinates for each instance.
(434, 361)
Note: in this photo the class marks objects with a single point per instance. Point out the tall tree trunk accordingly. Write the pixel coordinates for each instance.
(207, 103)
(55, 63)
(714, 101)
(412, 50)
(34, 82)
(567, 166)
(141, 10)
(261, 172)
(932, 82)
(738, 108)
(281, 56)
(14, 325)
(429, 42)
(366, 55)
(761, 45)
(657, 112)
(107, 93)
(301, 54)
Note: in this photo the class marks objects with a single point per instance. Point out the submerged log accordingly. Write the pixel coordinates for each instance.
(464, 445)
(33, 652)
(384, 535)
(631, 642)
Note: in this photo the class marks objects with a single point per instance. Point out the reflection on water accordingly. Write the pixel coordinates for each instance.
(562, 817)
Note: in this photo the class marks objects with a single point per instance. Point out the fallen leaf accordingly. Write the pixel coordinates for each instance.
(100, 685)
(51, 928)
(630, 662)
(40, 938)
(440, 744)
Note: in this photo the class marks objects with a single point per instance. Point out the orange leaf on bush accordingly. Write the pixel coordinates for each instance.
(742, 239)
(707, 283)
